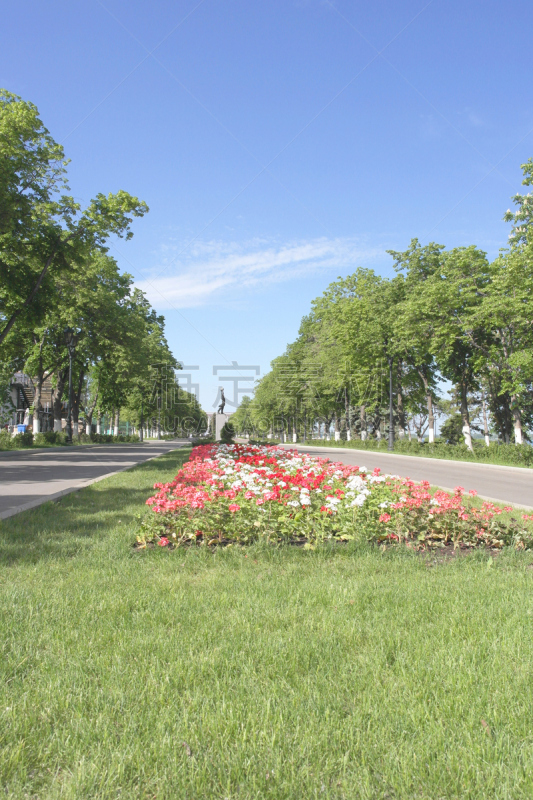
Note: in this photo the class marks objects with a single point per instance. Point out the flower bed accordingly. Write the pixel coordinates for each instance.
(242, 494)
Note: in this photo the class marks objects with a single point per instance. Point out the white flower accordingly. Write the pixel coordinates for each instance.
(318, 491)
(305, 500)
(355, 480)
(384, 505)
(359, 500)
(294, 503)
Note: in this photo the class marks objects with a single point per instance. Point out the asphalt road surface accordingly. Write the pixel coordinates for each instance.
(31, 477)
(512, 485)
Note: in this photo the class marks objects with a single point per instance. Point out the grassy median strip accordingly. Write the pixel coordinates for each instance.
(251, 673)
(501, 455)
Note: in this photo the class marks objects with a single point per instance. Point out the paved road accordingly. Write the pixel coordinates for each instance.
(503, 484)
(28, 478)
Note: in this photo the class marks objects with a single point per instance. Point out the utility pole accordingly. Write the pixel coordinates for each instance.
(391, 409)
(69, 413)
(159, 417)
(71, 340)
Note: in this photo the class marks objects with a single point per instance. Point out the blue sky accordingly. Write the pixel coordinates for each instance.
(278, 144)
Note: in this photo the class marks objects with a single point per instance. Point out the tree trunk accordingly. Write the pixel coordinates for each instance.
(362, 418)
(517, 421)
(57, 402)
(485, 420)
(347, 416)
(76, 404)
(37, 404)
(466, 417)
(399, 401)
(89, 412)
(99, 424)
(429, 401)
(117, 421)
(37, 382)
(337, 427)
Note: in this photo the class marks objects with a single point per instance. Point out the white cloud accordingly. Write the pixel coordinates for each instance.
(214, 269)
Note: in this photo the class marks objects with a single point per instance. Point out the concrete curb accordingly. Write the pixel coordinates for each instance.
(11, 512)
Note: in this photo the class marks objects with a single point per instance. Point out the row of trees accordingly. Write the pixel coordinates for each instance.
(56, 275)
(447, 315)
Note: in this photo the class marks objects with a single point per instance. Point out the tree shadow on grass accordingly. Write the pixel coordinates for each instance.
(77, 522)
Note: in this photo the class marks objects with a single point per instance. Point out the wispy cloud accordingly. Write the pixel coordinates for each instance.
(214, 270)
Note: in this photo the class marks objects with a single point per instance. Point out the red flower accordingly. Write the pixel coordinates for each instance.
(384, 518)
(163, 541)
(233, 507)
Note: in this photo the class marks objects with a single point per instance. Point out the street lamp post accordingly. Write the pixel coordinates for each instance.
(71, 340)
(391, 409)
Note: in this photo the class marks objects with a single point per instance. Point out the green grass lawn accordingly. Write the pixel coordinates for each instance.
(254, 674)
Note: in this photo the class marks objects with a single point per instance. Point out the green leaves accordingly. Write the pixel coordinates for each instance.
(44, 233)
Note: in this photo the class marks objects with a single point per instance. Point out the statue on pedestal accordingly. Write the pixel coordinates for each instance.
(220, 409)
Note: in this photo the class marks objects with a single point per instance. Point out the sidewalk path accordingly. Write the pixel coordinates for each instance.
(512, 485)
(31, 477)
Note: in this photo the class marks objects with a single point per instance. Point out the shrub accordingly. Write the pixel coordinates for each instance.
(49, 438)
(452, 430)
(23, 439)
(108, 438)
(227, 434)
(520, 455)
(5, 440)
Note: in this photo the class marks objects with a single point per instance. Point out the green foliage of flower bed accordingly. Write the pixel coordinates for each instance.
(339, 673)
(503, 454)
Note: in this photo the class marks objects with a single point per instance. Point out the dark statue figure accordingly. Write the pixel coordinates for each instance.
(220, 409)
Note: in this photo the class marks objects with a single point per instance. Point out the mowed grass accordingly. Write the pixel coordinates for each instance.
(345, 673)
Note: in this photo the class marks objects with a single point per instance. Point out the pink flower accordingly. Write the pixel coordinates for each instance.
(163, 541)
(507, 508)
(233, 507)
(384, 518)
(472, 492)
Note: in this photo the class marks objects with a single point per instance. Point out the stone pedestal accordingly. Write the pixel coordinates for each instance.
(220, 421)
